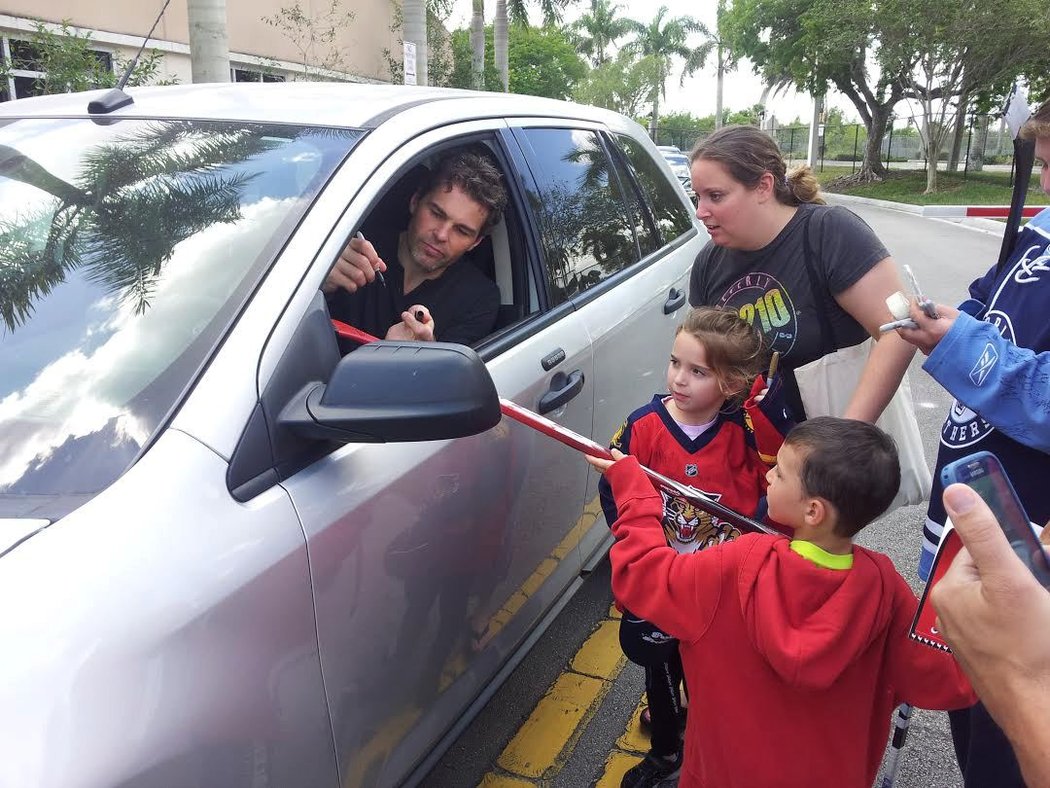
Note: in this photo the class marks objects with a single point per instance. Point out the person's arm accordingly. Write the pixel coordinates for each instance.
(678, 593)
(865, 301)
(767, 412)
(1008, 386)
(996, 617)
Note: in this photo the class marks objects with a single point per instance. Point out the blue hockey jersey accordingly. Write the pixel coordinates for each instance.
(995, 361)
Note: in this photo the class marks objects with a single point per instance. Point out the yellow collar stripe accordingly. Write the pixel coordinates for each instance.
(821, 557)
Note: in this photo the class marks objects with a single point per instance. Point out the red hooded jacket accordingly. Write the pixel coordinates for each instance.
(793, 669)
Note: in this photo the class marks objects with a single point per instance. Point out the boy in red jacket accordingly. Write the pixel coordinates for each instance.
(798, 648)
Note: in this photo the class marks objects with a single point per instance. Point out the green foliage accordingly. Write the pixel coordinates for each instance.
(315, 36)
(908, 186)
(541, 62)
(622, 84)
(70, 64)
(462, 52)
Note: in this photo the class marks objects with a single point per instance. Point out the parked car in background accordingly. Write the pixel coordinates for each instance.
(679, 164)
(230, 556)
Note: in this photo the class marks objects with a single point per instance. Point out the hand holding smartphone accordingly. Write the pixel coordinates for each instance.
(985, 475)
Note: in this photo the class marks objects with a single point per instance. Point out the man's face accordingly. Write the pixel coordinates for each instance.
(446, 223)
(1042, 155)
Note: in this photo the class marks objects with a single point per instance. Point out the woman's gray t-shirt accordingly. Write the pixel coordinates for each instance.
(771, 289)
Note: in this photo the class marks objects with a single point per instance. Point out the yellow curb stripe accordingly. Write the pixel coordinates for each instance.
(633, 740)
(553, 727)
(600, 656)
(614, 613)
(616, 765)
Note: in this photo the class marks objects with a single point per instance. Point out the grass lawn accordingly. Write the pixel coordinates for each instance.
(978, 188)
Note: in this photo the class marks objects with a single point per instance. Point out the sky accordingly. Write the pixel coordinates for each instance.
(741, 88)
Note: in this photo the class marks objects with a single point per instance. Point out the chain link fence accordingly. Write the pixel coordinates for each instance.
(985, 141)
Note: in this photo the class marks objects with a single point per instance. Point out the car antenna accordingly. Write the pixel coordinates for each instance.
(116, 98)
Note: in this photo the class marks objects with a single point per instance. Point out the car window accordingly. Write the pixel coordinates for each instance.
(672, 216)
(125, 251)
(644, 227)
(586, 231)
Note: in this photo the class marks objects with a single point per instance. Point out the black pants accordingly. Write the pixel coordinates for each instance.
(985, 756)
(665, 706)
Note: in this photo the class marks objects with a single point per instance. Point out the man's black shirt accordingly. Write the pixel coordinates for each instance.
(463, 301)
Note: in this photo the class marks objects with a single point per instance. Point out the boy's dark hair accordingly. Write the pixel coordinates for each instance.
(851, 464)
(477, 175)
(1037, 126)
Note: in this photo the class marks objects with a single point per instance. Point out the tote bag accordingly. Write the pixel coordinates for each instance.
(827, 384)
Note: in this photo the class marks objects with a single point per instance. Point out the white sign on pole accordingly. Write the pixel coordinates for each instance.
(410, 63)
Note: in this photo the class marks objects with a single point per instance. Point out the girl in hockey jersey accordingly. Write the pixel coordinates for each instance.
(718, 428)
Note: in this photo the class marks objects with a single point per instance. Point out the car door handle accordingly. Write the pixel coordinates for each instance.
(674, 300)
(563, 388)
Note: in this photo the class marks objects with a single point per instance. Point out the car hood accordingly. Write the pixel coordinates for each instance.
(14, 531)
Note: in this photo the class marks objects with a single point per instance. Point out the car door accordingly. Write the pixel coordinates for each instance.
(623, 270)
(432, 562)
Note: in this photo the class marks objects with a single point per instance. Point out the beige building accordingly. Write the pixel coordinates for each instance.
(258, 51)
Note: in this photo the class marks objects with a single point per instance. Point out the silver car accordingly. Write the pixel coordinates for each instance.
(232, 557)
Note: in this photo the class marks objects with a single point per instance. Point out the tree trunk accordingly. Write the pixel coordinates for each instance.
(416, 31)
(654, 120)
(718, 87)
(500, 43)
(980, 143)
(477, 44)
(959, 132)
(872, 168)
(813, 155)
(209, 42)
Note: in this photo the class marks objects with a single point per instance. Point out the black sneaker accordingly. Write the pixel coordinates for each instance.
(651, 771)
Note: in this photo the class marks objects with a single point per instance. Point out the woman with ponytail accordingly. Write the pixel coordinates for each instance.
(814, 278)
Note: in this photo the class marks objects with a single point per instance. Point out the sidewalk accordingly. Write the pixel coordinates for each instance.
(990, 226)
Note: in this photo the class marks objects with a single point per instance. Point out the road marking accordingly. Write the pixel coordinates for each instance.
(547, 738)
(633, 739)
(616, 766)
(539, 748)
(503, 781)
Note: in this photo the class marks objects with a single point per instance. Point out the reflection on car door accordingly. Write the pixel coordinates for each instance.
(433, 561)
(605, 256)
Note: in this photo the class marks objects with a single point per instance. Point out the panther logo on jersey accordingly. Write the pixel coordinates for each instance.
(689, 528)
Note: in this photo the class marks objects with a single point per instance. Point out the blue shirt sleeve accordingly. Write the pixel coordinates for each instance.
(1008, 386)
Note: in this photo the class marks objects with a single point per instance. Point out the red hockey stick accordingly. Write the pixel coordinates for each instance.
(576, 441)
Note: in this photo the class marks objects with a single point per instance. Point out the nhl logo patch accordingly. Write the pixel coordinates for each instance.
(690, 469)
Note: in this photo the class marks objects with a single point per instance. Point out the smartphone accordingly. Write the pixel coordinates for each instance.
(983, 472)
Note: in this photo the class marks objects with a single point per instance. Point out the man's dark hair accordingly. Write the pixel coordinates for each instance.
(477, 175)
(851, 464)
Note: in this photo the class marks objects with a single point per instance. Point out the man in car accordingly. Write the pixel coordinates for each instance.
(423, 293)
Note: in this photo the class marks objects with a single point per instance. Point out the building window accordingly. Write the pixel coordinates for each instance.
(27, 68)
(250, 75)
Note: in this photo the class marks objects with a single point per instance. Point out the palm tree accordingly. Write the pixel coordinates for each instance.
(552, 9)
(415, 14)
(662, 41)
(726, 58)
(500, 44)
(209, 42)
(477, 45)
(596, 31)
(162, 176)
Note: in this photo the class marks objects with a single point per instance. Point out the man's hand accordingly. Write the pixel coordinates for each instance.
(601, 465)
(356, 267)
(416, 323)
(930, 330)
(996, 617)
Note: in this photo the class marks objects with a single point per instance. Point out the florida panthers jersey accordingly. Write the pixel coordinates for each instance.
(728, 462)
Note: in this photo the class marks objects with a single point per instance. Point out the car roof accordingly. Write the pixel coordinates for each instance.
(311, 103)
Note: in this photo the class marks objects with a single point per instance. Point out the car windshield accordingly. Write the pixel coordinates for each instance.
(126, 250)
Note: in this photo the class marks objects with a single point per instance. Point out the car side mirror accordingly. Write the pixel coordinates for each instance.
(390, 391)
